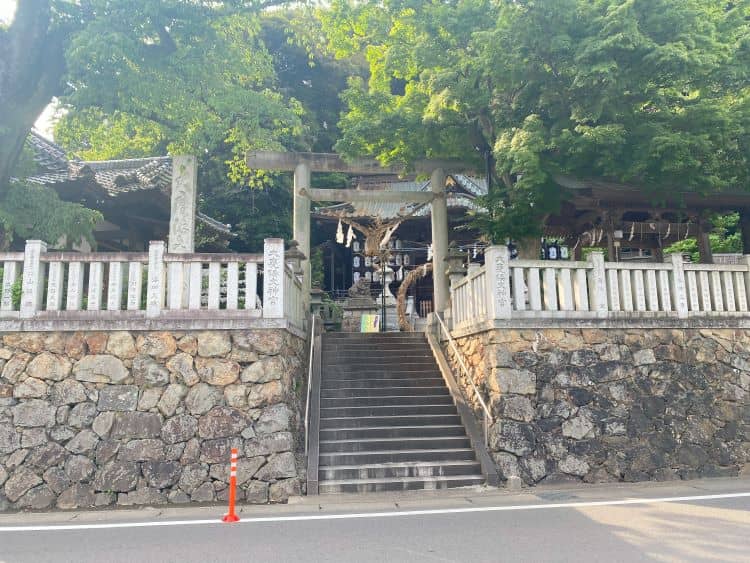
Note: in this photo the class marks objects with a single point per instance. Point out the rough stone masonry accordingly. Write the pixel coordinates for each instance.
(133, 418)
(599, 405)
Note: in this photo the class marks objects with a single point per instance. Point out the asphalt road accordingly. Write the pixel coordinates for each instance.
(695, 521)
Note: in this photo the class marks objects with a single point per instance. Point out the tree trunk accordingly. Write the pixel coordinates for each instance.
(528, 248)
(31, 70)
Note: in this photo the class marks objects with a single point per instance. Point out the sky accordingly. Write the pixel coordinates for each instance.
(7, 9)
(45, 122)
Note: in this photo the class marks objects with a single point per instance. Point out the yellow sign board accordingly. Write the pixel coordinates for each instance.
(370, 323)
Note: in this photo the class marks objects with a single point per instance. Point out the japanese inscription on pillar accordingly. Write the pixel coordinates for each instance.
(135, 285)
(678, 286)
(184, 194)
(498, 258)
(273, 278)
(33, 278)
(54, 286)
(155, 290)
(598, 284)
(10, 272)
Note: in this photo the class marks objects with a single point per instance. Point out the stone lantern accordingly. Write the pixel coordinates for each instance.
(455, 260)
(295, 257)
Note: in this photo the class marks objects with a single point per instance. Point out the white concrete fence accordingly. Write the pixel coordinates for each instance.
(153, 285)
(505, 289)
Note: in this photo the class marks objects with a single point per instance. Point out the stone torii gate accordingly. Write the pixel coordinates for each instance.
(303, 164)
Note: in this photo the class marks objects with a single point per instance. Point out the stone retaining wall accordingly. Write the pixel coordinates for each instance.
(613, 404)
(131, 418)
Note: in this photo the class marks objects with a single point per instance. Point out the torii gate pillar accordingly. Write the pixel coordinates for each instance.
(441, 287)
(301, 222)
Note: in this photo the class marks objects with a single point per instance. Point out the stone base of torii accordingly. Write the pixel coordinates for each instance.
(304, 164)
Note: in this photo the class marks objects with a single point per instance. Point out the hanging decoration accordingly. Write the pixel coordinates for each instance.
(340, 233)
(350, 236)
(632, 231)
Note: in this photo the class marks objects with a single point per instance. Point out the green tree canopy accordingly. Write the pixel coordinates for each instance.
(653, 92)
(140, 77)
(271, 89)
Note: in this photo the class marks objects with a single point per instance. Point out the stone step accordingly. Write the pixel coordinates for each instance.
(400, 484)
(388, 359)
(389, 420)
(394, 444)
(380, 383)
(386, 401)
(372, 346)
(335, 373)
(372, 336)
(355, 433)
(371, 364)
(390, 410)
(405, 348)
(398, 470)
(391, 391)
(395, 456)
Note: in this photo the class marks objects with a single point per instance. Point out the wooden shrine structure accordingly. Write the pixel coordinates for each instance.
(609, 214)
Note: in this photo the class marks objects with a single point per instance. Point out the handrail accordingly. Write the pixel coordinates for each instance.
(467, 373)
(309, 382)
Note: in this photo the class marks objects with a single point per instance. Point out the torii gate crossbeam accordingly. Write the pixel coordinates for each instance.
(303, 164)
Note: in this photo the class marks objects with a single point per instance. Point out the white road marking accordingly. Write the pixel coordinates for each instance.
(395, 514)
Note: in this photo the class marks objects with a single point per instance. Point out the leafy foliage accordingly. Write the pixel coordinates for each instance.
(30, 211)
(268, 77)
(185, 76)
(653, 92)
(725, 237)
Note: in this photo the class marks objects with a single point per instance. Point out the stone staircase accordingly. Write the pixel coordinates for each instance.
(387, 419)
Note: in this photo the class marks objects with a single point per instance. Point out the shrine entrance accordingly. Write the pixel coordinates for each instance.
(376, 233)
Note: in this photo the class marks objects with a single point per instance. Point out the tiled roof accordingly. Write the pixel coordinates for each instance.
(46, 153)
(115, 177)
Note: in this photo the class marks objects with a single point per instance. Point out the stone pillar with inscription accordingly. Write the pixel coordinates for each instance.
(182, 226)
(598, 288)
(32, 283)
(497, 263)
(679, 288)
(439, 240)
(155, 289)
(273, 278)
(184, 198)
